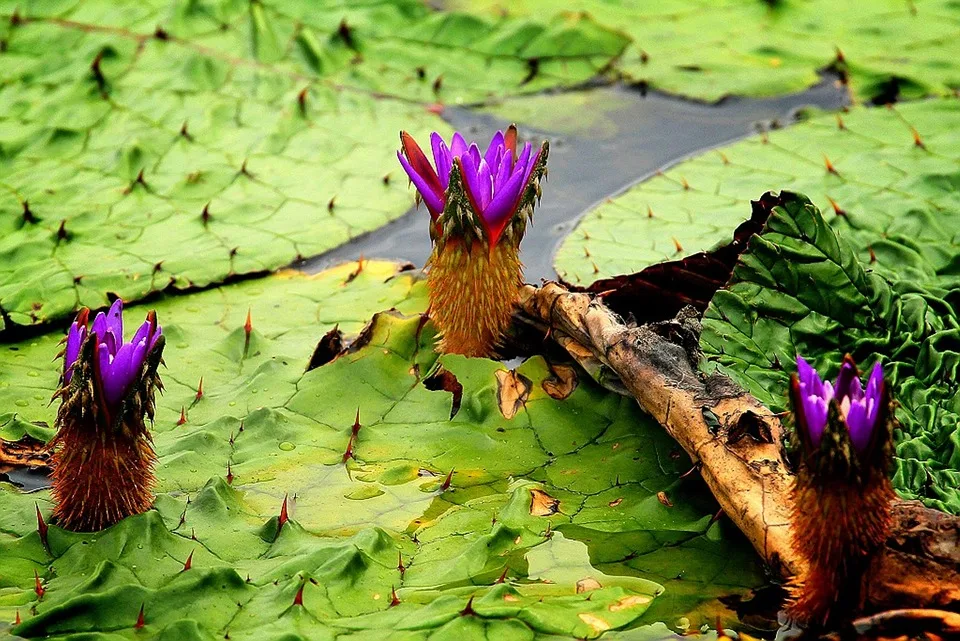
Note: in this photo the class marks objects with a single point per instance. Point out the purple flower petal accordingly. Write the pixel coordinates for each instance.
(458, 146)
(815, 399)
(156, 336)
(75, 338)
(485, 181)
(118, 375)
(99, 327)
(845, 380)
(874, 394)
(442, 159)
(815, 409)
(495, 147)
(471, 180)
(503, 173)
(858, 425)
(502, 206)
(474, 153)
(115, 322)
(433, 201)
(531, 164)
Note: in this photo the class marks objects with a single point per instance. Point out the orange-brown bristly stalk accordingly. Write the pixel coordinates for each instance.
(103, 460)
(473, 289)
(841, 518)
(837, 530)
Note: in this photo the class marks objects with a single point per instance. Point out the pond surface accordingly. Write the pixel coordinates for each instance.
(602, 141)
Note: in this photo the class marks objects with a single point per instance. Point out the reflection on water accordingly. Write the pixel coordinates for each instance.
(602, 141)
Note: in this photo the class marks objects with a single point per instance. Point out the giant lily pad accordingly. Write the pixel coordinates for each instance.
(709, 50)
(823, 302)
(885, 177)
(536, 475)
(164, 145)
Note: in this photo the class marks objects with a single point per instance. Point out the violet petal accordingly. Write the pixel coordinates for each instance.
(485, 182)
(442, 159)
(457, 145)
(433, 201)
(857, 424)
(115, 321)
(74, 340)
(495, 147)
(501, 207)
(470, 179)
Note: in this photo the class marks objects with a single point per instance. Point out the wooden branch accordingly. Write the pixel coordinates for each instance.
(739, 444)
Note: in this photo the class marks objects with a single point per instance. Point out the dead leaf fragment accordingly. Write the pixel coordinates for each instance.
(595, 622)
(629, 602)
(512, 392)
(561, 383)
(615, 502)
(446, 381)
(542, 504)
(663, 498)
(28, 452)
(587, 584)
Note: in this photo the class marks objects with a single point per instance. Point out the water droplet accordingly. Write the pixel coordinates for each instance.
(287, 446)
(232, 403)
(183, 345)
(20, 403)
(38, 397)
(32, 373)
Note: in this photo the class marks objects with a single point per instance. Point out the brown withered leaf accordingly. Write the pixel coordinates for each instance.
(561, 383)
(328, 349)
(542, 504)
(660, 291)
(587, 584)
(663, 498)
(512, 392)
(27, 452)
(446, 381)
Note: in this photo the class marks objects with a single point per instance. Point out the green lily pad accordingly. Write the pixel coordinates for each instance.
(438, 508)
(891, 197)
(709, 50)
(823, 302)
(164, 146)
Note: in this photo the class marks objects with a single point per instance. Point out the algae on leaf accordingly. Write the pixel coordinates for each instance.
(801, 289)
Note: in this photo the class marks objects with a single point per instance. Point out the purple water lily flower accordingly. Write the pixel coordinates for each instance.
(117, 364)
(858, 408)
(494, 180)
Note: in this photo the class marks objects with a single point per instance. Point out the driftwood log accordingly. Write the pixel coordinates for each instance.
(738, 444)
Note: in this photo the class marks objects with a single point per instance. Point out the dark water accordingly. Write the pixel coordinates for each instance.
(26, 479)
(640, 135)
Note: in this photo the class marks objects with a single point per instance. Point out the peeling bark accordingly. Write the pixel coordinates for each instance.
(738, 444)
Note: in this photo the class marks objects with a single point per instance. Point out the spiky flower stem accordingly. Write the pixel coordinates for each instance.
(103, 460)
(837, 529)
(473, 289)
